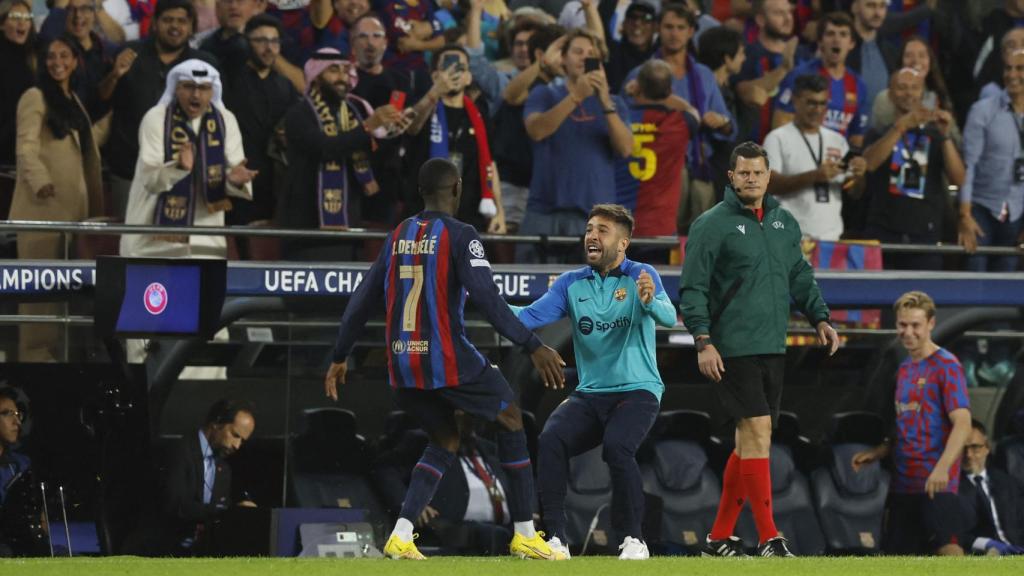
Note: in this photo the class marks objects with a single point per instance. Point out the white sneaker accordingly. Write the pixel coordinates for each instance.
(558, 548)
(633, 549)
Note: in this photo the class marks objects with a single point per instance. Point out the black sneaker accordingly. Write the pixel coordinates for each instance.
(777, 546)
(731, 546)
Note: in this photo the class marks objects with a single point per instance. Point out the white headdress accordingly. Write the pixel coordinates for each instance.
(194, 70)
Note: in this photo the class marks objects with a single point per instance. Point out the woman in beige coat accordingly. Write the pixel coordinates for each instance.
(59, 178)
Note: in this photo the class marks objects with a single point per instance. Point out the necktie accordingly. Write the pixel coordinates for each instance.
(984, 503)
(209, 476)
(492, 488)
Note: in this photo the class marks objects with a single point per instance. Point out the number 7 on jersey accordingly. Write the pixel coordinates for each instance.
(412, 299)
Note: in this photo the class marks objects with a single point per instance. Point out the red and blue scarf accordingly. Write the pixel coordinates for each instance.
(439, 148)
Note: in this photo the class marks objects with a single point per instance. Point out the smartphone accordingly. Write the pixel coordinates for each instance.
(450, 59)
(852, 153)
(591, 64)
(397, 100)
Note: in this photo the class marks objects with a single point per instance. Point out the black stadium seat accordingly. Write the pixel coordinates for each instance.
(679, 474)
(794, 510)
(589, 496)
(331, 463)
(850, 504)
(1010, 455)
(674, 462)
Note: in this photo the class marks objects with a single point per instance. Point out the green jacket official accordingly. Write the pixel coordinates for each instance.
(740, 277)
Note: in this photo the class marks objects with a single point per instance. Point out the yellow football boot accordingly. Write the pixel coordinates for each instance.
(399, 549)
(533, 548)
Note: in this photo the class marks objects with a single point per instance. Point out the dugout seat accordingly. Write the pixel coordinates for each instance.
(674, 463)
(788, 432)
(331, 464)
(1010, 455)
(589, 496)
(793, 507)
(851, 505)
(679, 474)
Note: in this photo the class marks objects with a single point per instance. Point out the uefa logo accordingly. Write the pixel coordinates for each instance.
(155, 298)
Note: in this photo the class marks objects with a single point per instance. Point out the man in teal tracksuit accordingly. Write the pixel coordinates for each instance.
(743, 267)
(613, 304)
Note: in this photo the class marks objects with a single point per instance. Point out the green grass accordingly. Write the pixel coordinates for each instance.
(982, 566)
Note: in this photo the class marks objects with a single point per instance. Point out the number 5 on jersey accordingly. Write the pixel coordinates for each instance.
(412, 299)
(643, 156)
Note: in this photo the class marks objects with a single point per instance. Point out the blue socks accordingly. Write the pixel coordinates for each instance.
(425, 477)
(515, 460)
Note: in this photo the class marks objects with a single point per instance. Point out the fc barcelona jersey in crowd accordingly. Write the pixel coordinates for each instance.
(649, 181)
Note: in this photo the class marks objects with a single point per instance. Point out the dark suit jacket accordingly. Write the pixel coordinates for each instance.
(180, 508)
(1007, 494)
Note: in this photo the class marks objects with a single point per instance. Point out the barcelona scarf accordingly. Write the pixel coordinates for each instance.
(439, 148)
(702, 171)
(332, 192)
(176, 207)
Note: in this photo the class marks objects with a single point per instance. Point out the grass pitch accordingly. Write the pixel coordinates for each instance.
(447, 566)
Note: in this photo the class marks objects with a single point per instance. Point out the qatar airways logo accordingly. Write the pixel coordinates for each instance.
(155, 298)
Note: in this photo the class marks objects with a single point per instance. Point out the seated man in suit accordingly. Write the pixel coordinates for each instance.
(994, 499)
(196, 483)
(469, 508)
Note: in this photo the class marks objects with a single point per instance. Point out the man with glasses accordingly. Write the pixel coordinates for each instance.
(96, 11)
(810, 163)
(995, 498)
(636, 45)
(228, 42)
(695, 83)
(136, 82)
(12, 464)
(376, 85)
(191, 166)
(259, 97)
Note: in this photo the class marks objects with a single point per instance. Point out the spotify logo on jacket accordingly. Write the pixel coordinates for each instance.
(587, 325)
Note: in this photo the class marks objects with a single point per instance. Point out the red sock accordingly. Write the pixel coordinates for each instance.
(757, 479)
(733, 496)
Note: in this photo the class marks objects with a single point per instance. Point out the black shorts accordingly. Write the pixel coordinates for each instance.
(485, 396)
(916, 524)
(752, 386)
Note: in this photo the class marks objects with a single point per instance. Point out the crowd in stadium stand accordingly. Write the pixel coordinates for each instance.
(542, 104)
(899, 121)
